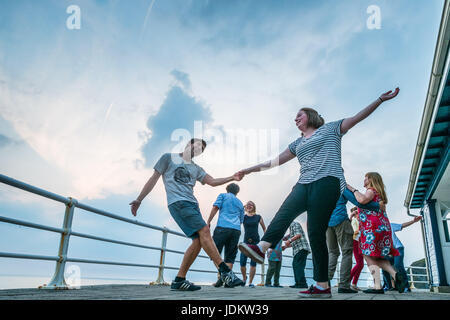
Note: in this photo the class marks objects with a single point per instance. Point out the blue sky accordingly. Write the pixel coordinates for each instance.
(86, 113)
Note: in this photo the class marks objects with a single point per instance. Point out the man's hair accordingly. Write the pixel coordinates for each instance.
(233, 188)
(193, 140)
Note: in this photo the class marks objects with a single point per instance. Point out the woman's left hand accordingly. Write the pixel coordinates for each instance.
(389, 95)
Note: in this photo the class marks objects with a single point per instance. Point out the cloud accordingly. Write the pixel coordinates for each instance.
(176, 119)
(5, 141)
(182, 78)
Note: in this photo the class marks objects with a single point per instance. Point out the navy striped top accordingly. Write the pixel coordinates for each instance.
(320, 154)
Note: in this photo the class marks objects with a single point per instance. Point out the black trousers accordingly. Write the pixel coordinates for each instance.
(319, 200)
(298, 265)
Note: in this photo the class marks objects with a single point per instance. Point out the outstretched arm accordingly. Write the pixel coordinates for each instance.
(214, 182)
(148, 187)
(350, 122)
(407, 224)
(282, 158)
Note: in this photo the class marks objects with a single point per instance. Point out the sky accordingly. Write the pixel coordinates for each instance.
(91, 97)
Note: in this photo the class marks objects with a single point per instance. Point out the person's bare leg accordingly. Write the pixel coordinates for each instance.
(244, 273)
(207, 243)
(374, 269)
(189, 257)
(252, 274)
(386, 266)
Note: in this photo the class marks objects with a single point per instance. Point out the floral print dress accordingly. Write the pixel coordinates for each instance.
(375, 232)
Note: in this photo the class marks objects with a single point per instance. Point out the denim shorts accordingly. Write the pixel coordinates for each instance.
(243, 261)
(188, 217)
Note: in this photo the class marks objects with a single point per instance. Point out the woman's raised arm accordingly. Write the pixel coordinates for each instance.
(350, 122)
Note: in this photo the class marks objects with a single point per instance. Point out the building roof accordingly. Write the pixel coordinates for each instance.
(431, 156)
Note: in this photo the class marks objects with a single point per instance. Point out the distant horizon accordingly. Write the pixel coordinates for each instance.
(93, 93)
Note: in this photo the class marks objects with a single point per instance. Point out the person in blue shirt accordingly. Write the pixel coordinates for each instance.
(340, 234)
(397, 261)
(228, 229)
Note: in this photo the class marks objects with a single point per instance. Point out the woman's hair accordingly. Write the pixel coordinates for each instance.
(233, 188)
(376, 182)
(315, 120)
(254, 207)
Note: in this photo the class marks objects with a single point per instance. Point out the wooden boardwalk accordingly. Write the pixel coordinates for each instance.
(160, 292)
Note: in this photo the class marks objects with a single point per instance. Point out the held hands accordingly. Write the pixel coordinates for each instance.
(135, 206)
(238, 176)
(389, 95)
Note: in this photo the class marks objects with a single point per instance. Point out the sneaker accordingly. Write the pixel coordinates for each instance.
(347, 290)
(252, 251)
(355, 288)
(251, 285)
(230, 279)
(314, 292)
(184, 286)
(400, 282)
(374, 291)
(219, 283)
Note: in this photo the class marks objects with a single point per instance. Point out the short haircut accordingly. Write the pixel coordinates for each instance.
(193, 140)
(233, 188)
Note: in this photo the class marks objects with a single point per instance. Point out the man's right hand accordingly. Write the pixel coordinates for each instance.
(135, 206)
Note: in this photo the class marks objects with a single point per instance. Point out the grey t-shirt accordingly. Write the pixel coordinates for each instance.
(179, 177)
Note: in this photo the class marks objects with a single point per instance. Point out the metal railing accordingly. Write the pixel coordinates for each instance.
(58, 281)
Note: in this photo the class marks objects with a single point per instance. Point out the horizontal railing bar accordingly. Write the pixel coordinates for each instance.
(27, 256)
(30, 224)
(88, 236)
(27, 187)
(112, 263)
(117, 217)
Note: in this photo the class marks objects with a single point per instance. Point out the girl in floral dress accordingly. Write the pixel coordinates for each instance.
(375, 231)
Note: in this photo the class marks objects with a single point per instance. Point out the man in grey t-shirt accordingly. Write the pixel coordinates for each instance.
(180, 174)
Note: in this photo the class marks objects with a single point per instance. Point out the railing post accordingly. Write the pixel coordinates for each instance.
(160, 279)
(263, 275)
(411, 282)
(58, 281)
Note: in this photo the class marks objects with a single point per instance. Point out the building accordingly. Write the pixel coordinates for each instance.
(429, 181)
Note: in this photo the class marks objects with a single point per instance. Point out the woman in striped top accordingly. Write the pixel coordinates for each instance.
(318, 151)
